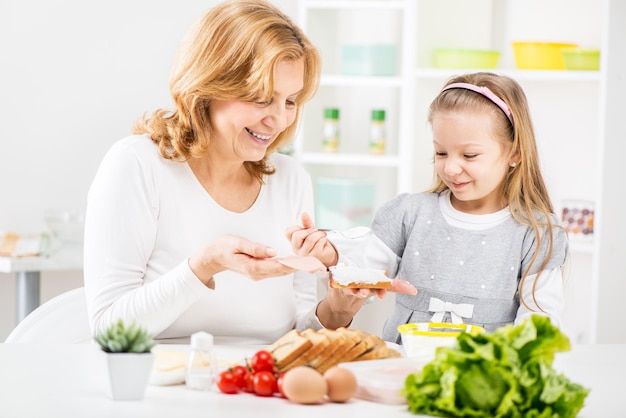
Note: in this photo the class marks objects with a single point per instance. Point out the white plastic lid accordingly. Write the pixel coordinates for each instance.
(201, 340)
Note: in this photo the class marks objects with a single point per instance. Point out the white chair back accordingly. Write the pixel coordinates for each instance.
(62, 319)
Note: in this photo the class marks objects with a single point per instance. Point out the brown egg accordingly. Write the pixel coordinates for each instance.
(304, 385)
(341, 383)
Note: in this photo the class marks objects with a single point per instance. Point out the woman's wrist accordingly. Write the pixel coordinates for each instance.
(333, 258)
(203, 271)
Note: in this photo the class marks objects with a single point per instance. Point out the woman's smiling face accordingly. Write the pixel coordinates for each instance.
(243, 130)
(470, 160)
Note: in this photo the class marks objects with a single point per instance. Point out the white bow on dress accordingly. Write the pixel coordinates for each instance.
(458, 311)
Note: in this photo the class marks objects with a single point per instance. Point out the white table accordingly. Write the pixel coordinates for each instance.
(70, 381)
(28, 274)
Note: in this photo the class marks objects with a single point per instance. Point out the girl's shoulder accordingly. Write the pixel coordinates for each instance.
(413, 201)
(408, 206)
(554, 240)
(551, 221)
(421, 197)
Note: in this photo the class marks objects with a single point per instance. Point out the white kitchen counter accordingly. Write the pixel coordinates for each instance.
(70, 381)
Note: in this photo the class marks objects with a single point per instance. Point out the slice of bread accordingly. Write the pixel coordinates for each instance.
(319, 342)
(338, 341)
(348, 349)
(288, 347)
(326, 348)
(378, 350)
(366, 342)
(393, 353)
(350, 277)
(356, 285)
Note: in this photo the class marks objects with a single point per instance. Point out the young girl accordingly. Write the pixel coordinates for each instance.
(482, 246)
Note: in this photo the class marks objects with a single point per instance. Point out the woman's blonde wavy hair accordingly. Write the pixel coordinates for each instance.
(229, 54)
(524, 190)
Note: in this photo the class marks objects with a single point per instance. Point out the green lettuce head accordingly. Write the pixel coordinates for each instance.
(507, 373)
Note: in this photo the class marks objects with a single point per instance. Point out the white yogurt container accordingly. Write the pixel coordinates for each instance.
(423, 338)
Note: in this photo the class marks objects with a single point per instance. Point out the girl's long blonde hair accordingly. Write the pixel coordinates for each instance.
(229, 54)
(524, 190)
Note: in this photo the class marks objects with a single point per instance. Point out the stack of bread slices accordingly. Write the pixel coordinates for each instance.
(326, 348)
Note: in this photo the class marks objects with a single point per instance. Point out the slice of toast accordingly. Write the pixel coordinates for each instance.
(378, 350)
(355, 285)
(351, 277)
(319, 342)
(338, 340)
(366, 342)
(393, 353)
(288, 347)
(353, 339)
(325, 348)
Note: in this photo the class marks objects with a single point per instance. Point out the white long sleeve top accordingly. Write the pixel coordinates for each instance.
(147, 215)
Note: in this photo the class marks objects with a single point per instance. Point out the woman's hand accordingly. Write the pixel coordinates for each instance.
(237, 254)
(310, 241)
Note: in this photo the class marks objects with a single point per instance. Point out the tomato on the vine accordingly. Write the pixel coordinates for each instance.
(248, 382)
(227, 382)
(279, 384)
(264, 383)
(262, 361)
(240, 373)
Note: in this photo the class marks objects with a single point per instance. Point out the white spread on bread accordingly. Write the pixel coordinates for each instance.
(346, 275)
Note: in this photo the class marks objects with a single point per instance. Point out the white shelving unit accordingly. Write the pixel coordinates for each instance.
(573, 111)
(360, 92)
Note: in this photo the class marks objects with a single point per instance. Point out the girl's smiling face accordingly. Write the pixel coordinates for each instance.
(470, 160)
(242, 131)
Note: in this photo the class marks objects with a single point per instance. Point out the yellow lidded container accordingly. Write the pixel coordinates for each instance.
(422, 338)
(540, 55)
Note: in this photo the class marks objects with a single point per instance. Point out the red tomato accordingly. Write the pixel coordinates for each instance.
(249, 382)
(240, 373)
(279, 384)
(264, 383)
(262, 361)
(227, 382)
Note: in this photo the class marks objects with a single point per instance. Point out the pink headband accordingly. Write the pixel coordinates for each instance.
(485, 92)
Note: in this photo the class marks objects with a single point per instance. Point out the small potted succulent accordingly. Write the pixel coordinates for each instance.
(128, 350)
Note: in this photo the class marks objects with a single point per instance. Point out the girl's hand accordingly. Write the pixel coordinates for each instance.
(397, 286)
(339, 306)
(237, 254)
(310, 241)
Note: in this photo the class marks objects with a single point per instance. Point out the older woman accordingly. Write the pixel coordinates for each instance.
(185, 217)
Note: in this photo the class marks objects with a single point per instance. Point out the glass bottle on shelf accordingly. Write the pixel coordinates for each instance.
(377, 132)
(330, 131)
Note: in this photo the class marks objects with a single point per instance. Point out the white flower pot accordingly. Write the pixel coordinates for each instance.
(129, 374)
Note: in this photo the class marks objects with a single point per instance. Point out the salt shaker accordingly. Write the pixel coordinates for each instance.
(202, 363)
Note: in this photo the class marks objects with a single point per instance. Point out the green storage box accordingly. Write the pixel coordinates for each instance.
(343, 203)
(369, 59)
